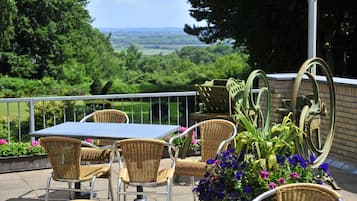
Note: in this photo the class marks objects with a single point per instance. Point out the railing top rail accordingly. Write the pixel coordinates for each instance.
(93, 97)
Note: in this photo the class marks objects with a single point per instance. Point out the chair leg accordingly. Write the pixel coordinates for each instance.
(70, 192)
(118, 189)
(92, 188)
(193, 185)
(110, 188)
(48, 186)
(124, 189)
(169, 190)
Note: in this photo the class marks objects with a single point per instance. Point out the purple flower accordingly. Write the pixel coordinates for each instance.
(239, 175)
(324, 167)
(210, 161)
(294, 175)
(247, 189)
(264, 174)
(312, 158)
(280, 159)
(281, 180)
(272, 185)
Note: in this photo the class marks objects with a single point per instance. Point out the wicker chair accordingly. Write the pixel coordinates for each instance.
(300, 192)
(141, 158)
(215, 135)
(64, 155)
(108, 116)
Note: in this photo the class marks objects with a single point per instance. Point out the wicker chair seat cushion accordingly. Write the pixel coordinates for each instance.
(88, 171)
(190, 167)
(162, 177)
(96, 155)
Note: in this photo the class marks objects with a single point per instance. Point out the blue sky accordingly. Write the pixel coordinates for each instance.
(140, 13)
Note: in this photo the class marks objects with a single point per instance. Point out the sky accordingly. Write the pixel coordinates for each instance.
(140, 13)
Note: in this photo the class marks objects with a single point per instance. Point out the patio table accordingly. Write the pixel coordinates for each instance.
(107, 130)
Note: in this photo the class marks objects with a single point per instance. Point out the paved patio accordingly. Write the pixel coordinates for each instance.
(29, 186)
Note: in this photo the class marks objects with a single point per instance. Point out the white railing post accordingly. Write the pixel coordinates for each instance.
(32, 118)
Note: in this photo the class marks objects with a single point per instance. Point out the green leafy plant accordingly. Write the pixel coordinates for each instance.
(20, 148)
(267, 144)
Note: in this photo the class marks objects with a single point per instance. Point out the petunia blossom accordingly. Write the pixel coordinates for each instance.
(182, 129)
(272, 185)
(90, 140)
(281, 180)
(35, 143)
(294, 175)
(264, 174)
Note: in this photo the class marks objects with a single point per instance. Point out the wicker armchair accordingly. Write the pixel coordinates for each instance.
(108, 116)
(141, 158)
(215, 135)
(64, 155)
(300, 192)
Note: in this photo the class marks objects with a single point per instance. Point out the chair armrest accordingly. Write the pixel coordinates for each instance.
(88, 144)
(86, 117)
(265, 195)
(173, 153)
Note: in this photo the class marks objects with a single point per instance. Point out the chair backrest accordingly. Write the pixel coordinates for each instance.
(110, 116)
(306, 192)
(142, 158)
(64, 156)
(300, 192)
(213, 132)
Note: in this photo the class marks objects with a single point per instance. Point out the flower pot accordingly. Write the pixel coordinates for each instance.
(23, 163)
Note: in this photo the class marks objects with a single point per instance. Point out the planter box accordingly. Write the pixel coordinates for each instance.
(23, 163)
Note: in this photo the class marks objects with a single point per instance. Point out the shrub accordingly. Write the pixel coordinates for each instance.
(20, 148)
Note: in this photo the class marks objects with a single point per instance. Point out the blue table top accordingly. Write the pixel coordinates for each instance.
(107, 130)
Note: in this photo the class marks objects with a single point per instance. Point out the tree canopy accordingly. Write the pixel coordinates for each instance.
(275, 31)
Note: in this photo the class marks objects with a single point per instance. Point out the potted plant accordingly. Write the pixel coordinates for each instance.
(19, 156)
(237, 178)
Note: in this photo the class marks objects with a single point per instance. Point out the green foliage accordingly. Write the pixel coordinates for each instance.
(275, 31)
(21, 149)
(48, 113)
(279, 140)
(7, 18)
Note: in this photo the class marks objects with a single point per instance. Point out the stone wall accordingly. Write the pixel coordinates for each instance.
(344, 148)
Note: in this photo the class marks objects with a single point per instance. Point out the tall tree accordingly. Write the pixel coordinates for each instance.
(7, 16)
(275, 31)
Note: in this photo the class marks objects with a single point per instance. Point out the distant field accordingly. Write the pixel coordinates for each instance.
(152, 41)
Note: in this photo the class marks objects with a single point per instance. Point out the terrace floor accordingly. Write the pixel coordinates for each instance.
(29, 186)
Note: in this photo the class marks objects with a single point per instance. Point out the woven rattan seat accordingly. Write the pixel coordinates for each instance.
(64, 155)
(300, 192)
(215, 135)
(140, 166)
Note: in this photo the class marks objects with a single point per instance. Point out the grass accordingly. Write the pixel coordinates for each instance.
(14, 111)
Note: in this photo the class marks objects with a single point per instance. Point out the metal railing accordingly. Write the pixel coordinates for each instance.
(20, 116)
